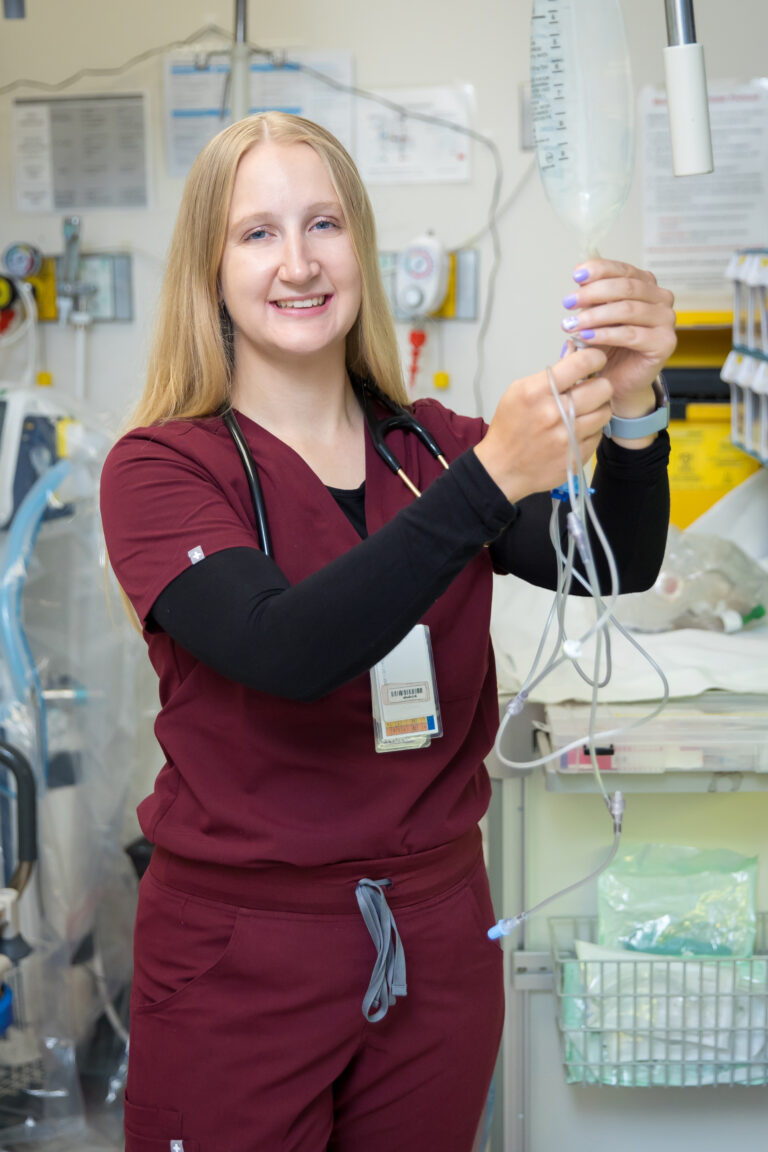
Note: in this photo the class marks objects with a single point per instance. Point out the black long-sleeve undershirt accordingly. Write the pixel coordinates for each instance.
(236, 612)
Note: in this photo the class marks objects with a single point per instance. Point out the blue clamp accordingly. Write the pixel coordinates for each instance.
(563, 493)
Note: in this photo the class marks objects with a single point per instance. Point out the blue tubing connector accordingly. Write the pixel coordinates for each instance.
(562, 492)
(504, 927)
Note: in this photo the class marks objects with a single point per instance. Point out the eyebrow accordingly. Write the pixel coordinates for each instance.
(321, 209)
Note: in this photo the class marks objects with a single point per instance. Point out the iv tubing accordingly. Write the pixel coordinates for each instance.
(579, 495)
(581, 509)
(505, 926)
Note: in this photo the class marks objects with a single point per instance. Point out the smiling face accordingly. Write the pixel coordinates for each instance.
(288, 276)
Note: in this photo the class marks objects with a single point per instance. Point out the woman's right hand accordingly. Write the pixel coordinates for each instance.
(525, 449)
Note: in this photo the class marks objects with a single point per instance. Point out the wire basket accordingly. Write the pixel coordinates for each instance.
(664, 1022)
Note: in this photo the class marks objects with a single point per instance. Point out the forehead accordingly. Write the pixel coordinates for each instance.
(283, 172)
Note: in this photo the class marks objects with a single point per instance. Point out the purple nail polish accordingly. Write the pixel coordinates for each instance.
(587, 334)
(580, 275)
(564, 349)
(570, 301)
(569, 323)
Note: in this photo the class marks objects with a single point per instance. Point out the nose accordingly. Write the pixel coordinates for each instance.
(298, 264)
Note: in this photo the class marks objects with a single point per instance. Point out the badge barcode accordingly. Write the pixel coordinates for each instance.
(403, 727)
(404, 693)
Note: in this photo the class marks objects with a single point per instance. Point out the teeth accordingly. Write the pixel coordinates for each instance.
(312, 302)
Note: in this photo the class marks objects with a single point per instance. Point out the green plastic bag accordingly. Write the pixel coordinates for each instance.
(679, 901)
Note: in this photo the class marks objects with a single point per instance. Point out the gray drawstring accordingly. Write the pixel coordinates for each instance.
(388, 977)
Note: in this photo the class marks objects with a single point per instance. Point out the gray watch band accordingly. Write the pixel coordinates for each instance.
(641, 426)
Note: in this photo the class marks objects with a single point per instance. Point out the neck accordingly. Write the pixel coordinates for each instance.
(313, 409)
(312, 398)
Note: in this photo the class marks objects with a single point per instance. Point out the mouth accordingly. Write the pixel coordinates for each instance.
(301, 303)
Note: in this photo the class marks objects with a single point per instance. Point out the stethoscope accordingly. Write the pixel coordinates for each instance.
(378, 428)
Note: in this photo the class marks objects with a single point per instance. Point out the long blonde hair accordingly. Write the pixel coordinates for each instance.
(190, 364)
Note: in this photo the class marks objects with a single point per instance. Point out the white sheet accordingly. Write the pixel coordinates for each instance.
(692, 660)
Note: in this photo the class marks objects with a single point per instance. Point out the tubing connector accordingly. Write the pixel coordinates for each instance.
(515, 706)
(563, 492)
(615, 804)
(578, 533)
(504, 927)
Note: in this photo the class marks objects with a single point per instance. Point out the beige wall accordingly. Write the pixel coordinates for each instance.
(402, 42)
(484, 44)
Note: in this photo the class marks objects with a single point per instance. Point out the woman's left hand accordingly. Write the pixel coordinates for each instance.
(623, 311)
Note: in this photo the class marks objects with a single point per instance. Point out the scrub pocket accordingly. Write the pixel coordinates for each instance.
(179, 940)
(155, 1130)
(478, 893)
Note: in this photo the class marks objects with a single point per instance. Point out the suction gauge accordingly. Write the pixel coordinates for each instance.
(22, 260)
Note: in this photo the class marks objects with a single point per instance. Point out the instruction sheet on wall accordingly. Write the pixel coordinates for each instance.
(692, 224)
(312, 84)
(79, 152)
(397, 144)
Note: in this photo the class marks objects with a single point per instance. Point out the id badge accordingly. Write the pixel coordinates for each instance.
(406, 711)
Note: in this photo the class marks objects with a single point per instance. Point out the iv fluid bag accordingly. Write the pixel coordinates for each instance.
(582, 109)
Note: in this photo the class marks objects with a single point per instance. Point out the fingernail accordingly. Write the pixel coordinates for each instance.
(569, 323)
(580, 275)
(564, 349)
(587, 334)
(570, 301)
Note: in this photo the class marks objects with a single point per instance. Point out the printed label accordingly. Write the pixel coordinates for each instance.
(407, 727)
(393, 693)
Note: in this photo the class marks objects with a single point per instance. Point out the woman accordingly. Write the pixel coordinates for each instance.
(298, 875)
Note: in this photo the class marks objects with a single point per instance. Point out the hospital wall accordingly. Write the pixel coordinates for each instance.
(394, 44)
(399, 43)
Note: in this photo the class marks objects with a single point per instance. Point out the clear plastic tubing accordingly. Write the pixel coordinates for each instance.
(583, 112)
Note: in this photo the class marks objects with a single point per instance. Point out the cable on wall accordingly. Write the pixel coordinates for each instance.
(279, 60)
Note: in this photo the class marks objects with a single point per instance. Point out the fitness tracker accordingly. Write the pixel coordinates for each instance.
(641, 426)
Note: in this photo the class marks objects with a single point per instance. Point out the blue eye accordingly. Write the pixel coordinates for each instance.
(257, 234)
(324, 225)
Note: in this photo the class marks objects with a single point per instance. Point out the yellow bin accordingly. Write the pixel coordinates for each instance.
(704, 464)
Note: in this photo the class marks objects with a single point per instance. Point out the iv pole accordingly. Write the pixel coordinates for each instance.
(686, 93)
(241, 54)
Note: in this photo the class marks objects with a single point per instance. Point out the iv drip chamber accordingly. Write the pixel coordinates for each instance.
(583, 111)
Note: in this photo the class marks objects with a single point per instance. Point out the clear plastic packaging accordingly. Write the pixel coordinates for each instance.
(679, 901)
(705, 582)
(583, 113)
(68, 671)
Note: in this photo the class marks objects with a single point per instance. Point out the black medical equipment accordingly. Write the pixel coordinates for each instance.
(12, 944)
(378, 428)
(21, 1062)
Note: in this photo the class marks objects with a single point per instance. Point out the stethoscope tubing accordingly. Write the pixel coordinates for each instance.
(377, 428)
(257, 496)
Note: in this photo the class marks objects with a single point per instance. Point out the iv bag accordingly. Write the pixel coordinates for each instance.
(582, 110)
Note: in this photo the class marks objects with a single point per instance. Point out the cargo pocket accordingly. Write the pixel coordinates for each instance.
(155, 1130)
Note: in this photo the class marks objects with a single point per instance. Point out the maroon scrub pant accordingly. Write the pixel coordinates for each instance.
(247, 1032)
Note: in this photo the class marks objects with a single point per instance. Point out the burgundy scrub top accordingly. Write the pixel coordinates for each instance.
(249, 777)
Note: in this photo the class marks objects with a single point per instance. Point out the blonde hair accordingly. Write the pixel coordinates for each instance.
(190, 364)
